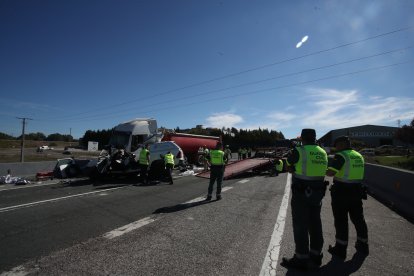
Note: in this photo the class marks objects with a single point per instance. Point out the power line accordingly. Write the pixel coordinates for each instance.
(244, 71)
(251, 83)
(274, 88)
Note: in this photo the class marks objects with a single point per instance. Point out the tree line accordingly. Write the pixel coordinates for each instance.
(237, 138)
(230, 136)
(406, 133)
(39, 136)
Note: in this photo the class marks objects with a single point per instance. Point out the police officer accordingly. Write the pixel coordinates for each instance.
(308, 164)
(144, 160)
(227, 154)
(169, 165)
(206, 153)
(239, 154)
(347, 193)
(278, 166)
(216, 159)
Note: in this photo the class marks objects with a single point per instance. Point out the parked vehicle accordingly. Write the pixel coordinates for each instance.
(43, 148)
(367, 152)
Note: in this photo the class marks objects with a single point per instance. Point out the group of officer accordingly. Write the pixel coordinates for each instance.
(244, 153)
(308, 164)
(144, 161)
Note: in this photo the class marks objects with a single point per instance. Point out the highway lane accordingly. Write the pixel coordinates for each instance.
(38, 230)
(228, 237)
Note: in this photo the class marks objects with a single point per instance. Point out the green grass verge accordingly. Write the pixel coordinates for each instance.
(401, 162)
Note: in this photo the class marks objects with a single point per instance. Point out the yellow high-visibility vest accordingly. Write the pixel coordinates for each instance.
(353, 169)
(143, 157)
(217, 157)
(312, 164)
(169, 158)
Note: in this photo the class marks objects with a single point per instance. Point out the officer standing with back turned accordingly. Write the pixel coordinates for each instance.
(216, 159)
(144, 160)
(347, 193)
(308, 164)
(169, 165)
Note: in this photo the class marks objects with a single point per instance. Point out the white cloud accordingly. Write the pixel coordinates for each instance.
(332, 109)
(281, 116)
(324, 110)
(220, 120)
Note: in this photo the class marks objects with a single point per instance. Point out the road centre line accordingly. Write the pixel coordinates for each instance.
(272, 254)
(243, 181)
(11, 208)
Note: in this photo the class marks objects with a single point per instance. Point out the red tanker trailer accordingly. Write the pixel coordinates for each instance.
(191, 143)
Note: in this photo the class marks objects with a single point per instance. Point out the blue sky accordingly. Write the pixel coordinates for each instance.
(83, 65)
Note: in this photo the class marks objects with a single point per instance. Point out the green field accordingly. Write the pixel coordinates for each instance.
(10, 151)
(12, 144)
(401, 162)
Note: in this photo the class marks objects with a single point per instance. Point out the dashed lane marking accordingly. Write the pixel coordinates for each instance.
(243, 181)
(147, 220)
(272, 254)
(11, 208)
(129, 227)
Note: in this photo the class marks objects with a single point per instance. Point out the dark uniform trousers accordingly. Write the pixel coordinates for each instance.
(144, 173)
(216, 173)
(169, 168)
(347, 199)
(306, 215)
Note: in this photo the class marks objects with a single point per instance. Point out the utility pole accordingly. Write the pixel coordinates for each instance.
(399, 123)
(22, 144)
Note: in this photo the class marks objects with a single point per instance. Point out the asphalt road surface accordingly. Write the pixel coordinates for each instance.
(123, 229)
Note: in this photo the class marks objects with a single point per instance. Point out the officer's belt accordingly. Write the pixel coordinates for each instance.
(312, 178)
(313, 186)
(348, 181)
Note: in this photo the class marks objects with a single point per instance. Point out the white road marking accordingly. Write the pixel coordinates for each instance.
(272, 254)
(10, 208)
(243, 181)
(129, 227)
(225, 189)
(147, 220)
(7, 188)
(17, 271)
(202, 198)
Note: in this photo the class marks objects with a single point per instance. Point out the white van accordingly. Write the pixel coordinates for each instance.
(159, 149)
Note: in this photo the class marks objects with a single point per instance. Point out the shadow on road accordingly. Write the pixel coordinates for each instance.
(335, 267)
(182, 206)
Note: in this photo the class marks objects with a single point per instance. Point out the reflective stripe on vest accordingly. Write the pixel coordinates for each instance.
(216, 157)
(143, 157)
(169, 158)
(312, 163)
(353, 169)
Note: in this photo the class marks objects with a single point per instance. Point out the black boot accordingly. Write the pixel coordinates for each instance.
(339, 250)
(316, 260)
(295, 262)
(362, 247)
(208, 198)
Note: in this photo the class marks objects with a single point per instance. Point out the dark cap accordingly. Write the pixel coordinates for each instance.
(308, 134)
(344, 139)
